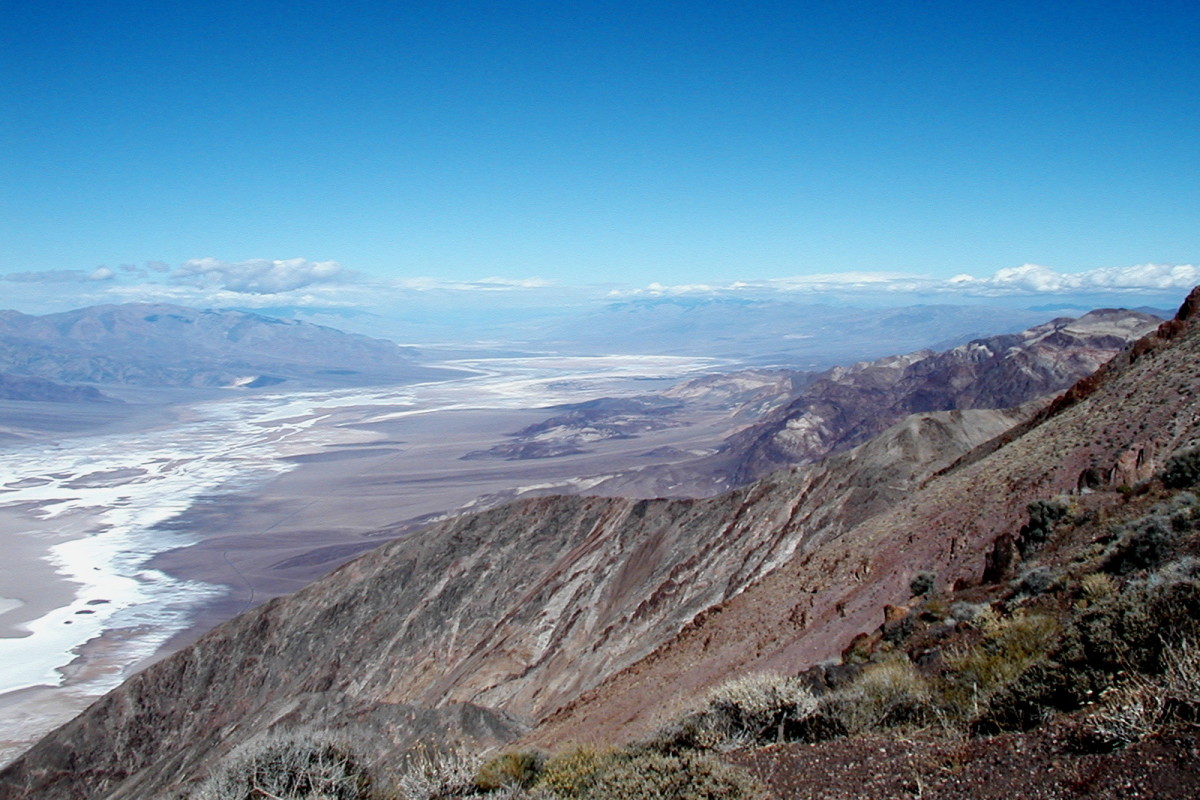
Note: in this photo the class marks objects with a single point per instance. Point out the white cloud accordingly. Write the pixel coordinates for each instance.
(256, 276)
(101, 274)
(494, 284)
(1025, 280)
(1036, 279)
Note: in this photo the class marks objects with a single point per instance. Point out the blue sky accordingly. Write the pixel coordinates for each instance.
(330, 153)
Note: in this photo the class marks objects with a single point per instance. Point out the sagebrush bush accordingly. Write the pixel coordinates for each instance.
(657, 776)
(516, 768)
(751, 709)
(1035, 581)
(298, 766)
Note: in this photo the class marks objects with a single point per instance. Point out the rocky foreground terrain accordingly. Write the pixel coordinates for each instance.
(560, 620)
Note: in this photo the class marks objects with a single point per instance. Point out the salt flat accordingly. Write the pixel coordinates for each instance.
(120, 546)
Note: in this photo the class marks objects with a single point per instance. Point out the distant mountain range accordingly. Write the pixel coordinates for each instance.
(758, 332)
(158, 345)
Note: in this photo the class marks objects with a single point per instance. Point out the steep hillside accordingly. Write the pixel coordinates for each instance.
(1111, 430)
(519, 608)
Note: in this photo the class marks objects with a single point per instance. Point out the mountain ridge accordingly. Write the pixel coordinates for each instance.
(158, 344)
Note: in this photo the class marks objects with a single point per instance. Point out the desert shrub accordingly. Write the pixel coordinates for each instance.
(752, 709)
(431, 774)
(670, 777)
(922, 584)
(1144, 542)
(1096, 586)
(968, 612)
(569, 775)
(1043, 516)
(1146, 706)
(516, 768)
(1008, 648)
(1182, 469)
(1128, 715)
(1131, 629)
(292, 767)
(887, 694)
(1035, 581)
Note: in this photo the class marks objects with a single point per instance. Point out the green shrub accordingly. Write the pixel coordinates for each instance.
(1132, 628)
(1009, 647)
(922, 584)
(1043, 516)
(518, 768)
(648, 775)
(293, 767)
(1182, 470)
(571, 774)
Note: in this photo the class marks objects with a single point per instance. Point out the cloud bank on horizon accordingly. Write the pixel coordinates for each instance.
(1027, 280)
(306, 283)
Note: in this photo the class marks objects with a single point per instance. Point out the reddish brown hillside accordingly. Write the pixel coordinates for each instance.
(1114, 429)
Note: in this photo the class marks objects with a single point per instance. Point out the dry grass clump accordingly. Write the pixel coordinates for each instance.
(888, 694)
(671, 777)
(1150, 705)
(571, 774)
(1095, 587)
(1009, 647)
(591, 774)
(431, 774)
